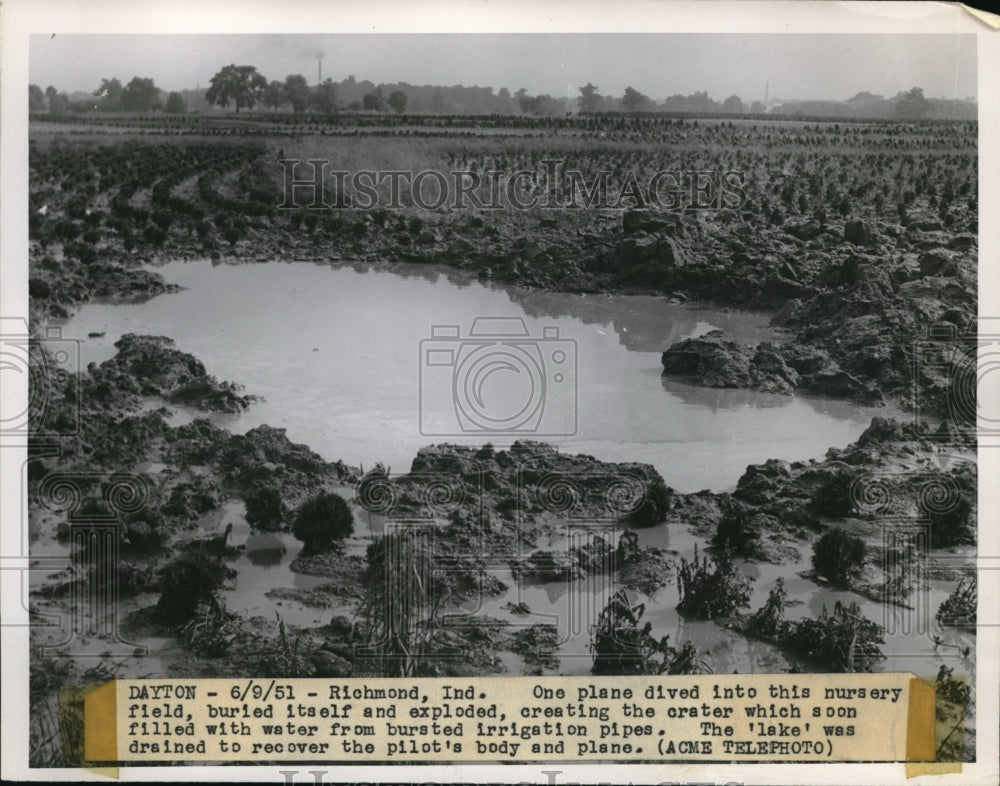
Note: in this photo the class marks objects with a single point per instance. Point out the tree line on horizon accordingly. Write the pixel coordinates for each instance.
(243, 87)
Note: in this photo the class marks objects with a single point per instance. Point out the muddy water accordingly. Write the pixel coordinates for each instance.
(263, 564)
(337, 355)
(909, 632)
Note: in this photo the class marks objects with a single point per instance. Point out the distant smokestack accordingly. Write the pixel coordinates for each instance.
(767, 92)
(319, 71)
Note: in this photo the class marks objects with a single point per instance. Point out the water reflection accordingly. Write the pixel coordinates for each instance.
(335, 352)
(644, 323)
(718, 399)
(265, 549)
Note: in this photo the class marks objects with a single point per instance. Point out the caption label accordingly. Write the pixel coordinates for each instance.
(848, 717)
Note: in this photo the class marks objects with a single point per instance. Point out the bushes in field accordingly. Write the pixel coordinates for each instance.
(191, 579)
(622, 647)
(834, 498)
(322, 522)
(234, 228)
(711, 589)
(838, 557)
(163, 219)
(953, 690)
(959, 608)
(844, 641)
(144, 531)
(154, 235)
(738, 531)
(140, 180)
(654, 506)
(210, 629)
(265, 509)
(56, 713)
(769, 620)
(826, 176)
(537, 646)
(953, 524)
(232, 235)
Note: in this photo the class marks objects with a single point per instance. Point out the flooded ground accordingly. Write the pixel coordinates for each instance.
(336, 354)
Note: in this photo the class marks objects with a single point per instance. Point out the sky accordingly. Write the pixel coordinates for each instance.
(796, 65)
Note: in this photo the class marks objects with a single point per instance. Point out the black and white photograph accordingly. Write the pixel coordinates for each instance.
(459, 354)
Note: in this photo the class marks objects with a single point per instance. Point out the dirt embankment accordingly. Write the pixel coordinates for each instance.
(858, 251)
(857, 299)
(529, 511)
(854, 296)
